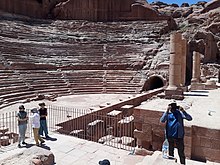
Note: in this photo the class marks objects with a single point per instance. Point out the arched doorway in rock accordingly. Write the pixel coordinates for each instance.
(153, 82)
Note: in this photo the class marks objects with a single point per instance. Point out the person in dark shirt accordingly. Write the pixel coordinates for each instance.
(175, 128)
(43, 120)
(22, 124)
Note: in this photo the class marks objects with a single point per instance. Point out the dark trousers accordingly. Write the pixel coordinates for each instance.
(180, 147)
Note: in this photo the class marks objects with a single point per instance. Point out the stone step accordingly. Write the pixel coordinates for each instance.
(19, 98)
(13, 89)
(18, 94)
(157, 159)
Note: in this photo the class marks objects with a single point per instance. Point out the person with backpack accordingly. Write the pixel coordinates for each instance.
(22, 125)
(175, 128)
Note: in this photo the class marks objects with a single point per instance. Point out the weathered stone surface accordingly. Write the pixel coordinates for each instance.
(85, 9)
(35, 154)
(187, 12)
(214, 27)
(109, 44)
(211, 5)
(185, 5)
(143, 152)
(177, 14)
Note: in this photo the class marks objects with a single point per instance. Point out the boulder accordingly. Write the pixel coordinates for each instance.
(177, 13)
(187, 12)
(174, 5)
(214, 27)
(185, 5)
(159, 3)
(211, 5)
(201, 3)
(143, 152)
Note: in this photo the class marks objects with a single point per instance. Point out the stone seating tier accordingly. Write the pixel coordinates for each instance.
(12, 89)
(75, 57)
(4, 83)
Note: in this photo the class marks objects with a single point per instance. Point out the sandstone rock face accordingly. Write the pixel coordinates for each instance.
(211, 5)
(106, 10)
(30, 8)
(96, 10)
(185, 5)
(34, 155)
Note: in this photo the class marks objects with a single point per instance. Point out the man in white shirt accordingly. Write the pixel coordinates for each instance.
(35, 118)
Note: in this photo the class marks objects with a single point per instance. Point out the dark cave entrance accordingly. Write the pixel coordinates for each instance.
(153, 82)
(40, 1)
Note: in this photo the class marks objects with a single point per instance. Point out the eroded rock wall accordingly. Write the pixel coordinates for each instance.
(93, 10)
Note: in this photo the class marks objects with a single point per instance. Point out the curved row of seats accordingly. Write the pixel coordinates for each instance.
(71, 57)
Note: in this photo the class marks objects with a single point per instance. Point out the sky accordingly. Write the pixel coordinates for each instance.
(179, 2)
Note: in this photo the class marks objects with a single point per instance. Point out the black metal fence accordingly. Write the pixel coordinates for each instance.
(110, 128)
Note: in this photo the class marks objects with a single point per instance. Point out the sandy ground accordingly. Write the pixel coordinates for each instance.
(74, 101)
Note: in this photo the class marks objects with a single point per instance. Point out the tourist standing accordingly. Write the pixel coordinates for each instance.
(43, 120)
(35, 119)
(22, 124)
(175, 128)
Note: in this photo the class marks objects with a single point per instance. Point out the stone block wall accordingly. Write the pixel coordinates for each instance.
(148, 122)
(206, 144)
(200, 143)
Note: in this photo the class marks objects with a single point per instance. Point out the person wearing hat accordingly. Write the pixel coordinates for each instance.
(35, 118)
(104, 162)
(22, 124)
(175, 128)
(43, 120)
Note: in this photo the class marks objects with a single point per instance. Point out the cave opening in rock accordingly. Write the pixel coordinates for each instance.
(40, 1)
(153, 82)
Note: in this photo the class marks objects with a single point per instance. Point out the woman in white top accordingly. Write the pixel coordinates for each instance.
(35, 118)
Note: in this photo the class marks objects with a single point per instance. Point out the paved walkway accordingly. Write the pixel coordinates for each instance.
(74, 151)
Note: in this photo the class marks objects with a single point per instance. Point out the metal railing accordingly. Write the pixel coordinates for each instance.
(109, 128)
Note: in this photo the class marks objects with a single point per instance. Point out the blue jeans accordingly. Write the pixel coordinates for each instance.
(22, 130)
(43, 128)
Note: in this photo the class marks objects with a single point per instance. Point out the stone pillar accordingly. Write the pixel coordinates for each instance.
(175, 61)
(219, 76)
(210, 49)
(203, 75)
(174, 90)
(183, 67)
(196, 67)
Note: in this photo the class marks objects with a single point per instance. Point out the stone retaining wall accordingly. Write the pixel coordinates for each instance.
(200, 143)
(205, 144)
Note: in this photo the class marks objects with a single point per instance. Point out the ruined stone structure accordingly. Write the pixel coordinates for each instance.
(183, 68)
(177, 68)
(219, 76)
(196, 73)
(196, 67)
(205, 43)
(200, 143)
(6, 137)
(82, 57)
(210, 54)
(93, 10)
